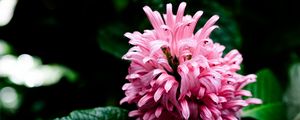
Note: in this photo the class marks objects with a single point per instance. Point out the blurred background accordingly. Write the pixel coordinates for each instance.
(60, 55)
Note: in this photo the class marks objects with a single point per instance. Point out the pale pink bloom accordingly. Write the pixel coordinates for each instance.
(176, 74)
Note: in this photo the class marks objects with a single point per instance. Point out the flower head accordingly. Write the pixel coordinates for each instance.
(176, 74)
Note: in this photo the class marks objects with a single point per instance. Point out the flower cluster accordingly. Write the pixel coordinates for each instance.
(176, 74)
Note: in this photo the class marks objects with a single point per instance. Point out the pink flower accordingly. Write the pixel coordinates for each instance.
(176, 74)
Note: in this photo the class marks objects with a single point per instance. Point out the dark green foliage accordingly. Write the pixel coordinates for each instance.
(100, 113)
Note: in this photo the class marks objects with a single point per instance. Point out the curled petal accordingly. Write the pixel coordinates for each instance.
(134, 113)
(152, 18)
(169, 85)
(147, 116)
(180, 12)
(158, 94)
(158, 111)
(185, 109)
(126, 86)
(124, 100)
(144, 100)
(254, 101)
(133, 76)
(205, 112)
(208, 31)
(209, 23)
(157, 45)
(243, 93)
(233, 103)
(201, 92)
(213, 97)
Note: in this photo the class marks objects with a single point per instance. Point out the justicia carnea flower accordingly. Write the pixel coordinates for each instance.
(176, 74)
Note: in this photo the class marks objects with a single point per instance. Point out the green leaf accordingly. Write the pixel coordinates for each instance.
(268, 89)
(100, 113)
(110, 40)
(272, 111)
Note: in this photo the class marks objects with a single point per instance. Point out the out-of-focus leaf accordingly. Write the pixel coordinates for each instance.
(268, 89)
(4, 47)
(110, 40)
(100, 113)
(120, 4)
(292, 96)
(272, 111)
(297, 117)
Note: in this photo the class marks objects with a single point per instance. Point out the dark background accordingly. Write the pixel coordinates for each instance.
(69, 32)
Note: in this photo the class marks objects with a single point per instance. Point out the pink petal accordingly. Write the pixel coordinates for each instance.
(183, 68)
(215, 111)
(209, 30)
(219, 118)
(209, 23)
(222, 99)
(158, 94)
(214, 98)
(180, 12)
(234, 103)
(196, 17)
(227, 88)
(151, 17)
(157, 71)
(243, 93)
(146, 59)
(232, 54)
(158, 111)
(134, 113)
(126, 86)
(125, 99)
(210, 87)
(201, 92)
(132, 76)
(246, 80)
(205, 112)
(164, 63)
(162, 78)
(184, 87)
(158, 18)
(147, 116)
(144, 100)
(196, 69)
(129, 35)
(230, 117)
(157, 45)
(187, 43)
(185, 109)
(152, 117)
(168, 85)
(170, 19)
(254, 101)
